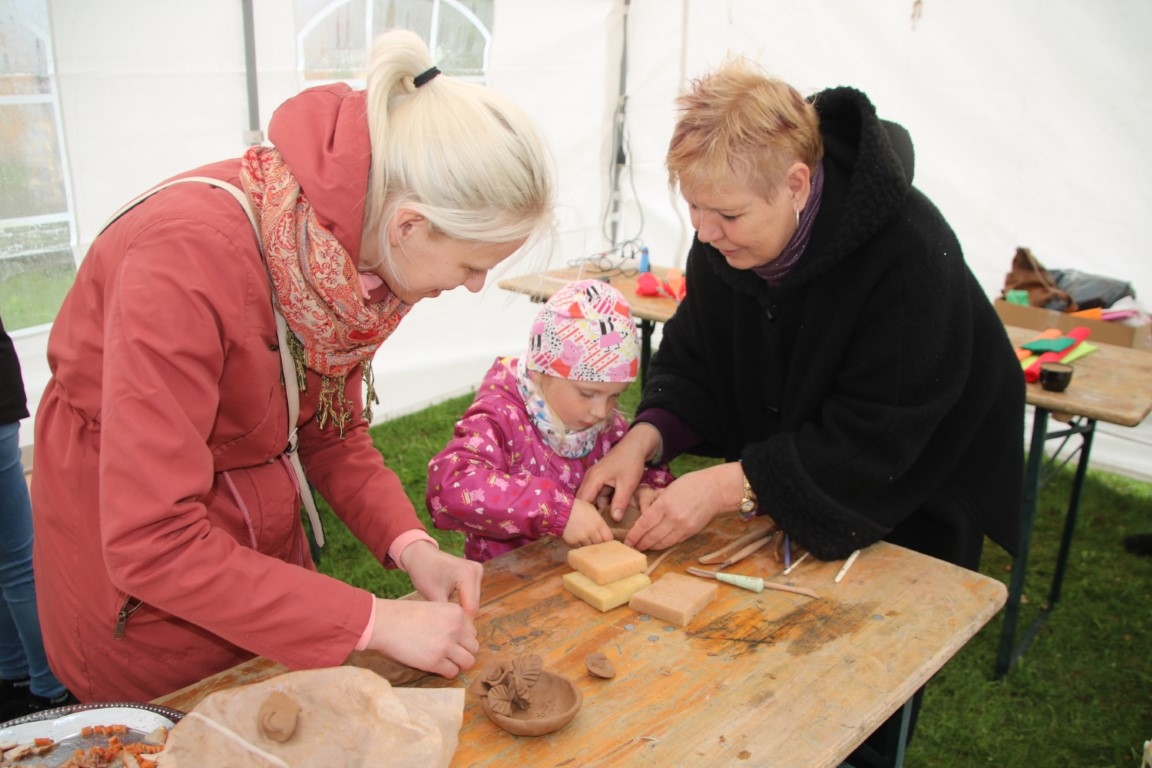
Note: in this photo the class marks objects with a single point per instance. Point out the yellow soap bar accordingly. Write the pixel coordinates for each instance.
(607, 561)
(605, 596)
(674, 598)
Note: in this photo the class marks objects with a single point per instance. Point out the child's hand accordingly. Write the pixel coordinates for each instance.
(644, 496)
(585, 526)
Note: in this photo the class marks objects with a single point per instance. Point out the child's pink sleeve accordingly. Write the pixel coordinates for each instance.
(478, 484)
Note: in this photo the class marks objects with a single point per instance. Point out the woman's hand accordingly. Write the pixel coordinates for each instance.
(621, 469)
(686, 506)
(436, 637)
(585, 526)
(438, 575)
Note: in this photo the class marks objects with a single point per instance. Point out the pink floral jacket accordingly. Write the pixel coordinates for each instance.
(500, 482)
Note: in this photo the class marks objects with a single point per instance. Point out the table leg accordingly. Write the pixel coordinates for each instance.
(1006, 656)
(646, 329)
(1086, 434)
(895, 745)
(1086, 429)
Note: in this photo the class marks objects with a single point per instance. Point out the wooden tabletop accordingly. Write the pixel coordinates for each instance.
(1112, 384)
(771, 678)
(541, 285)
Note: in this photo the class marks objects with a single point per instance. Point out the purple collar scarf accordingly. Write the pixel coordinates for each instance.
(776, 270)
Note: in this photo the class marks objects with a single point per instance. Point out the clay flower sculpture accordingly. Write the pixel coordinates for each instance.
(523, 699)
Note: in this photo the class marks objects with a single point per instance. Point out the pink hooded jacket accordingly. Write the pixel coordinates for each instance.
(500, 482)
(169, 543)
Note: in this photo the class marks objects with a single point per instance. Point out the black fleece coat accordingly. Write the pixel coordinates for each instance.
(873, 394)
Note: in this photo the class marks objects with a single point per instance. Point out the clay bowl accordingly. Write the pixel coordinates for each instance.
(1055, 377)
(555, 701)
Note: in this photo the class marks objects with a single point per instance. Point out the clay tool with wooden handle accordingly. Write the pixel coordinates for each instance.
(740, 554)
(759, 532)
(751, 583)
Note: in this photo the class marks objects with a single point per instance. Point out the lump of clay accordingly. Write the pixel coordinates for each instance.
(523, 699)
(598, 665)
(620, 529)
(392, 671)
(277, 716)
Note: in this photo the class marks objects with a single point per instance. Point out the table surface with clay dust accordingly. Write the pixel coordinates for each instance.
(770, 678)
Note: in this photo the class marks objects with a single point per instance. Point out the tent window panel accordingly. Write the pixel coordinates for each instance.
(37, 265)
(334, 37)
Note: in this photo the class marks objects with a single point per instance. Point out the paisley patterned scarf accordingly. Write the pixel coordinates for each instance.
(316, 288)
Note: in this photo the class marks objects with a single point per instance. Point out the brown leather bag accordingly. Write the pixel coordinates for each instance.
(1028, 274)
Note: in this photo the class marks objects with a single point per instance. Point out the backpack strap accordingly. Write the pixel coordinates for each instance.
(291, 386)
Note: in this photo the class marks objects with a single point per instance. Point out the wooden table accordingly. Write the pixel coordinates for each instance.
(756, 679)
(649, 310)
(1112, 384)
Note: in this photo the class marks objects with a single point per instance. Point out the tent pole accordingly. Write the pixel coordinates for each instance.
(253, 135)
(619, 160)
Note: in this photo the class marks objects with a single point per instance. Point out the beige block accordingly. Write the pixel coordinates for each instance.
(674, 598)
(607, 562)
(605, 596)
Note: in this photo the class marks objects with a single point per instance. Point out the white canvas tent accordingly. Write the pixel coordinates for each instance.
(1027, 118)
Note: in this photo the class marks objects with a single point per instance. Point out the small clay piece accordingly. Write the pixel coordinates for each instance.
(620, 529)
(277, 716)
(392, 671)
(523, 699)
(599, 666)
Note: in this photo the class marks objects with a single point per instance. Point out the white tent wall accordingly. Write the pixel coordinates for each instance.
(148, 90)
(1027, 120)
(1025, 117)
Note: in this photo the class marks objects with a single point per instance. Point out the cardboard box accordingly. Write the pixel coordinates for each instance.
(1102, 332)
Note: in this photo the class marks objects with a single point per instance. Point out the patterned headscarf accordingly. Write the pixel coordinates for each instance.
(316, 287)
(585, 332)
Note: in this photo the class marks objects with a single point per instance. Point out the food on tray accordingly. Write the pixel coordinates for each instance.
(112, 751)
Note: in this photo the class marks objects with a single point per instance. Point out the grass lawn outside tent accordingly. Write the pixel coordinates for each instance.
(1082, 694)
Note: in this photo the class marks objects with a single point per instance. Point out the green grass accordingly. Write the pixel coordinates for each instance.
(1081, 696)
(33, 298)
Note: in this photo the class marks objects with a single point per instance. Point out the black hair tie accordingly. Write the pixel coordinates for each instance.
(425, 76)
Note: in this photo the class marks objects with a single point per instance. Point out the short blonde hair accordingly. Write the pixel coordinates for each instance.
(737, 120)
(459, 154)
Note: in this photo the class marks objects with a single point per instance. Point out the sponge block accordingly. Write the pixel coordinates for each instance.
(605, 596)
(674, 598)
(607, 561)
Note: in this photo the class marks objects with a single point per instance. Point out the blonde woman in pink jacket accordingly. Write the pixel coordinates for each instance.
(169, 543)
(509, 475)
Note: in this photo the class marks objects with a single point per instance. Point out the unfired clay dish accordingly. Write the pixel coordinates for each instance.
(524, 700)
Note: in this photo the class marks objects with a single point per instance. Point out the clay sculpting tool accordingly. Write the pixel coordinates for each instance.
(847, 564)
(757, 533)
(799, 560)
(751, 583)
(740, 554)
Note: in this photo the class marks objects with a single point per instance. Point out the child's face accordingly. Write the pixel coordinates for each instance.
(579, 404)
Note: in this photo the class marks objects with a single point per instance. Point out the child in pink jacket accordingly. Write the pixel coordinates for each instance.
(510, 473)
